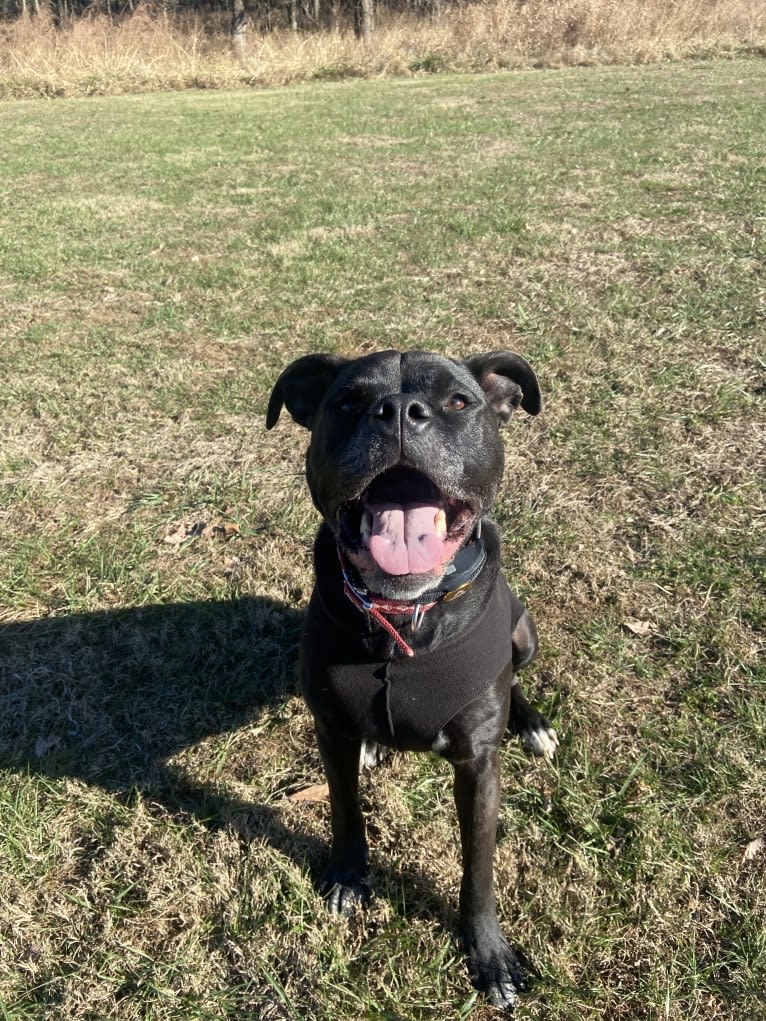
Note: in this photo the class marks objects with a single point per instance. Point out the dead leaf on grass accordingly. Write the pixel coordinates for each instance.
(220, 529)
(754, 848)
(317, 792)
(184, 531)
(640, 628)
(217, 529)
(176, 537)
(45, 744)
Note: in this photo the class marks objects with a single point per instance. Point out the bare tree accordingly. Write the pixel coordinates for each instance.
(364, 18)
(240, 22)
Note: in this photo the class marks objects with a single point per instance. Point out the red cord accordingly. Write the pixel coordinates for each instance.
(392, 631)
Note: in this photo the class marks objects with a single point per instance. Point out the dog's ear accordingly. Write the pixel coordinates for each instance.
(508, 381)
(301, 388)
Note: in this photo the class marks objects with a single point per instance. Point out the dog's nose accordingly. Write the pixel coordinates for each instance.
(398, 413)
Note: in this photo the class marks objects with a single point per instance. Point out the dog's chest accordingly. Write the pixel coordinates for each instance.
(404, 702)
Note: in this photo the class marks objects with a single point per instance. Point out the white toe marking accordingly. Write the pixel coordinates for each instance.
(541, 741)
(367, 756)
(371, 755)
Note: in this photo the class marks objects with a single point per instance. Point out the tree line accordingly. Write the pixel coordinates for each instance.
(243, 15)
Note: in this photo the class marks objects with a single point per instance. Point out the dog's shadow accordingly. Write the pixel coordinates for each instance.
(115, 698)
(111, 697)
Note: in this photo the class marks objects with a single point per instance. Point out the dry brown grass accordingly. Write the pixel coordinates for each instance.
(158, 51)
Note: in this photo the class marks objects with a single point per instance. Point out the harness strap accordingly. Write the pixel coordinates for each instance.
(367, 607)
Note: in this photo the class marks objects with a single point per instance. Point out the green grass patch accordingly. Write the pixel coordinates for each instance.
(162, 258)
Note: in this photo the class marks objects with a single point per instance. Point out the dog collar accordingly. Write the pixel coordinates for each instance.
(460, 575)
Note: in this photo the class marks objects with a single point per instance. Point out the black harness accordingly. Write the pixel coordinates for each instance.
(405, 701)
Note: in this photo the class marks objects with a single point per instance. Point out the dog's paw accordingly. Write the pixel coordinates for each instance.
(345, 900)
(536, 733)
(344, 890)
(496, 971)
(541, 739)
(372, 754)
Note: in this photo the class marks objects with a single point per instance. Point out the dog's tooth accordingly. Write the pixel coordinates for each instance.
(440, 523)
(365, 528)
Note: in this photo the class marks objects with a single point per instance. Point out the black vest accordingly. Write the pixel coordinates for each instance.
(405, 701)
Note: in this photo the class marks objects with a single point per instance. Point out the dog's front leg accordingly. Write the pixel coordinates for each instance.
(494, 967)
(344, 882)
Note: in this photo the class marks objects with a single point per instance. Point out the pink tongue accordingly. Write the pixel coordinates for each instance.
(404, 539)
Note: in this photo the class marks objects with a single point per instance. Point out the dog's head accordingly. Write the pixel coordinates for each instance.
(405, 453)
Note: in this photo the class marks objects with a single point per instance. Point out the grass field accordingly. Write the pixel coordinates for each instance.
(162, 257)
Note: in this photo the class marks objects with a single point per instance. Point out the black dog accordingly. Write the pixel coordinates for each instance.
(412, 636)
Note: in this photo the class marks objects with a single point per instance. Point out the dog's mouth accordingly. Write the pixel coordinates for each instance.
(404, 524)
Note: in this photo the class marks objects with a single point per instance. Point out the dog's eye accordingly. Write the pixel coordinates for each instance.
(456, 402)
